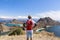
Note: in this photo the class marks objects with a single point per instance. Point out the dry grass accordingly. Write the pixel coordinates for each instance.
(40, 36)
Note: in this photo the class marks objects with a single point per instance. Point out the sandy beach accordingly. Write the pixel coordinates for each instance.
(40, 36)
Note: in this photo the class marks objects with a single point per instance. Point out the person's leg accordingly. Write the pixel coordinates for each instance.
(27, 38)
(30, 38)
(27, 35)
(31, 34)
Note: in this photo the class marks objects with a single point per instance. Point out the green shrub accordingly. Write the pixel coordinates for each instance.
(17, 31)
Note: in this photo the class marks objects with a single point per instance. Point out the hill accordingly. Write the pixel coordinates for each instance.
(47, 21)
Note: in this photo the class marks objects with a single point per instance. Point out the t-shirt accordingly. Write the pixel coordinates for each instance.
(30, 24)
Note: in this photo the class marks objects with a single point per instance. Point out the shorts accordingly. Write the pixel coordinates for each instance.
(29, 33)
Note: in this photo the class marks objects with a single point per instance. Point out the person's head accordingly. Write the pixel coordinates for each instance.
(29, 17)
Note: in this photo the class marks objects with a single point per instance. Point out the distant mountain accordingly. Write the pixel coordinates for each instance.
(5, 20)
(47, 21)
(8, 20)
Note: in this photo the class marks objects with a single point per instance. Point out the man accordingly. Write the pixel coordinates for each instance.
(29, 28)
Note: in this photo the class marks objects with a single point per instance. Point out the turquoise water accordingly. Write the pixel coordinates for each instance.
(55, 29)
(10, 25)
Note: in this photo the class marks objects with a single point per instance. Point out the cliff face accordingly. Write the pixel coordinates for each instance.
(47, 21)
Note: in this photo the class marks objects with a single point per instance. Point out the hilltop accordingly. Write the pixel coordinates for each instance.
(47, 21)
(40, 36)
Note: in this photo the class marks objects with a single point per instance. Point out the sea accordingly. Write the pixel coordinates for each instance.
(55, 30)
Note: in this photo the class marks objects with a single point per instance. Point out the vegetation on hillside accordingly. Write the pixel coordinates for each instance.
(17, 31)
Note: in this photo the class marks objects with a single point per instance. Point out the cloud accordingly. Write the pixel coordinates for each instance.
(16, 17)
(53, 14)
(7, 17)
(26, 17)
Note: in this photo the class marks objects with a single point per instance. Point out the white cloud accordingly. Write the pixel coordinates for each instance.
(22, 17)
(35, 17)
(16, 17)
(26, 17)
(7, 17)
(53, 14)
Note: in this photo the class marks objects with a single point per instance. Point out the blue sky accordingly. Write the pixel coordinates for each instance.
(29, 7)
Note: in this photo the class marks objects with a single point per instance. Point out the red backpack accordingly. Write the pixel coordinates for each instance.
(29, 24)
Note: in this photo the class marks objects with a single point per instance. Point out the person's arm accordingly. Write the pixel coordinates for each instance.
(24, 24)
(34, 24)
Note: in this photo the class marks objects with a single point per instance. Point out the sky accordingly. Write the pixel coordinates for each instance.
(35, 8)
